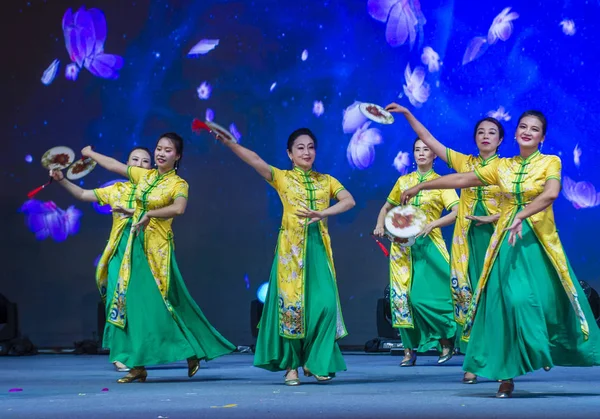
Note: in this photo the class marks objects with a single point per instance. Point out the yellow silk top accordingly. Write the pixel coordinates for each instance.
(118, 194)
(298, 189)
(153, 191)
(521, 181)
(490, 196)
(432, 203)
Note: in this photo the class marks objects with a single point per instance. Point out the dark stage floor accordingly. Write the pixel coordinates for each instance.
(70, 386)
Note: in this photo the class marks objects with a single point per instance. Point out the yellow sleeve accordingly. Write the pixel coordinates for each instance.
(276, 178)
(105, 195)
(449, 198)
(180, 190)
(456, 160)
(553, 171)
(135, 174)
(488, 174)
(335, 187)
(395, 195)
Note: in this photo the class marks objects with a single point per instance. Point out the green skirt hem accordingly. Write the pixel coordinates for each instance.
(318, 351)
(525, 320)
(430, 299)
(156, 332)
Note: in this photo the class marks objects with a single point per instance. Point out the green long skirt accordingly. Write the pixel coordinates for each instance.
(153, 335)
(430, 299)
(525, 320)
(478, 240)
(318, 351)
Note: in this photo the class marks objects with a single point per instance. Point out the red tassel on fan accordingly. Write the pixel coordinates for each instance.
(382, 247)
(37, 190)
(198, 126)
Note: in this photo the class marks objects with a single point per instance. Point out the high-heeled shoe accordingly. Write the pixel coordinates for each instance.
(119, 366)
(506, 389)
(469, 378)
(410, 362)
(193, 366)
(291, 381)
(134, 374)
(320, 378)
(445, 358)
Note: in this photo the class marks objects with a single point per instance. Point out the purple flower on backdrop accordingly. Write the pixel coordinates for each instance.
(501, 28)
(416, 89)
(28, 158)
(580, 194)
(353, 118)
(361, 149)
(71, 72)
(50, 72)
(404, 19)
(85, 33)
(210, 115)
(45, 219)
(477, 46)
(204, 90)
(431, 59)
(500, 114)
(402, 162)
(568, 27)
(318, 108)
(577, 155)
(203, 47)
(105, 209)
(234, 131)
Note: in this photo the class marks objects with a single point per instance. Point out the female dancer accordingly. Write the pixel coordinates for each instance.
(479, 204)
(119, 195)
(302, 317)
(526, 313)
(419, 275)
(152, 317)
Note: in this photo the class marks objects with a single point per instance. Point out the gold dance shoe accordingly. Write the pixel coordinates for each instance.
(291, 381)
(469, 378)
(134, 374)
(445, 358)
(319, 378)
(193, 366)
(410, 359)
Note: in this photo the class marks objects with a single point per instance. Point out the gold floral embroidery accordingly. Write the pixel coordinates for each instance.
(489, 196)
(153, 191)
(118, 194)
(298, 189)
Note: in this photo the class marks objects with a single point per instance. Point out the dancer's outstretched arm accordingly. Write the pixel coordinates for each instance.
(79, 193)
(251, 158)
(108, 163)
(423, 133)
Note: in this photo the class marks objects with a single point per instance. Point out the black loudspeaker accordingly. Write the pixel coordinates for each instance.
(384, 345)
(22, 346)
(593, 298)
(384, 321)
(9, 320)
(256, 309)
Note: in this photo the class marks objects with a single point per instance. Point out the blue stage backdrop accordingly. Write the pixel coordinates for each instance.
(118, 74)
